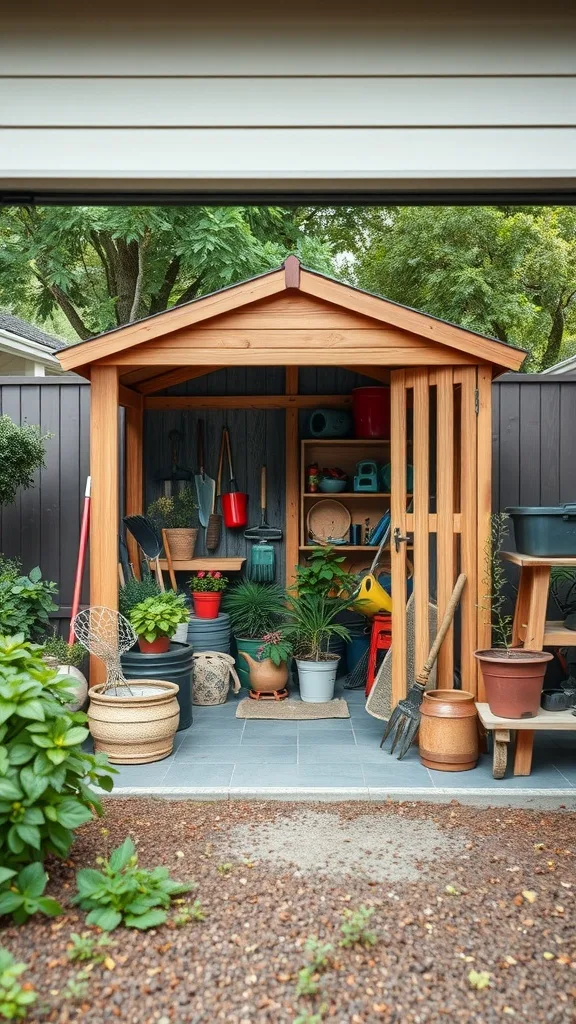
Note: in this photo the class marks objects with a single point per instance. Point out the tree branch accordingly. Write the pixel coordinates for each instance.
(190, 292)
(142, 246)
(159, 301)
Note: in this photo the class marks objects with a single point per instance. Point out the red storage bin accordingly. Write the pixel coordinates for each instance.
(371, 410)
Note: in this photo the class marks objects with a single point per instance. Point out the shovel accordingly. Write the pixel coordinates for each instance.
(205, 485)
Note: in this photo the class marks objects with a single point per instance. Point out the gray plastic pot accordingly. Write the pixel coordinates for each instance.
(317, 679)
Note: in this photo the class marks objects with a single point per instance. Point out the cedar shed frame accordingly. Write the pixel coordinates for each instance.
(440, 379)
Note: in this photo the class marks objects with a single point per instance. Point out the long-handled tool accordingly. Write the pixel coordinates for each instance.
(235, 503)
(205, 485)
(147, 536)
(405, 719)
(82, 546)
(262, 556)
(214, 528)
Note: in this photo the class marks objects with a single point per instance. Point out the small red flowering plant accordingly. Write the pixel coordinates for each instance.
(207, 581)
(275, 647)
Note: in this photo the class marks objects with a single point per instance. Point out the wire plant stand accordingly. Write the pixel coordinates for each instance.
(107, 635)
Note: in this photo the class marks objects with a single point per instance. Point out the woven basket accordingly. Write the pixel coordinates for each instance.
(212, 675)
(181, 544)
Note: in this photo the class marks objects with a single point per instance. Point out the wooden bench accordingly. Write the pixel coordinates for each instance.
(503, 729)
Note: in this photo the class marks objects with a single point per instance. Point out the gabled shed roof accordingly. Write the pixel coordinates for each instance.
(290, 278)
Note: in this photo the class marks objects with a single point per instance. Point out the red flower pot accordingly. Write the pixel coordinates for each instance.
(207, 604)
(158, 646)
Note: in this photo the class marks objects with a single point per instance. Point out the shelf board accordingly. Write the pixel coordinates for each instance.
(352, 441)
(341, 547)
(346, 494)
(207, 563)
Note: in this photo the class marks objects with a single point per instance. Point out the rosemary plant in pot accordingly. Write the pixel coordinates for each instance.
(310, 627)
(178, 516)
(513, 676)
(255, 610)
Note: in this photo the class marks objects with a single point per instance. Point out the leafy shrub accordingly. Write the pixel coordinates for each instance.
(355, 930)
(45, 775)
(88, 946)
(25, 602)
(311, 625)
(123, 893)
(64, 653)
(255, 609)
(22, 450)
(22, 893)
(135, 591)
(14, 997)
(324, 573)
(159, 616)
(177, 512)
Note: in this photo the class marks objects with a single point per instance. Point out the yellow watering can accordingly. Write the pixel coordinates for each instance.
(371, 597)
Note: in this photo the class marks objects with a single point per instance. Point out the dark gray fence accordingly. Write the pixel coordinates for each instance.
(534, 452)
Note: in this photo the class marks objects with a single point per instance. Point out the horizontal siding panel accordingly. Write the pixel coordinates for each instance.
(349, 42)
(212, 158)
(323, 102)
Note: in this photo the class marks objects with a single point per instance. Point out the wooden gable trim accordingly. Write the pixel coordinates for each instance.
(172, 320)
(433, 330)
(179, 375)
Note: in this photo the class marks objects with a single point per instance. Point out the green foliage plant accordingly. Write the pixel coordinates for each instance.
(135, 591)
(495, 584)
(45, 776)
(323, 574)
(26, 602)
(64, 653)
(276, 647)
(319, 956)
(255, 609)
(159, 616)
(122, 893)
(22, 450)
(208, 581)
(89, 946)
(354, 928)
(22, 893)
(15, 998)
(311, 625)
(175, 512)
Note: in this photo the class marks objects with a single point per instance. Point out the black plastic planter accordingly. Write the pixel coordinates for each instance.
(176, 666)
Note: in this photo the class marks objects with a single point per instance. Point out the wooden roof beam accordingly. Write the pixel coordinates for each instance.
(179, 375)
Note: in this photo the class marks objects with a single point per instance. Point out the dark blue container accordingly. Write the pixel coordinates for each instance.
(175, 666)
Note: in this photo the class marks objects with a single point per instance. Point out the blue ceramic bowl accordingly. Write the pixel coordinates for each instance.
(329, 486)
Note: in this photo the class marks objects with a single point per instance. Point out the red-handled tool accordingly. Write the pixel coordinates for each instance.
(83, 544)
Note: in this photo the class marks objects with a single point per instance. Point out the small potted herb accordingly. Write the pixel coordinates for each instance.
(207, 587)
(178, 515)
(156, 619)
(66, 659)
(310, 628)
(513, 676)
(269, 670)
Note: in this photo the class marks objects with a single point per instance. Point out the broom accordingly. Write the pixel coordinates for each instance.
(262, 556)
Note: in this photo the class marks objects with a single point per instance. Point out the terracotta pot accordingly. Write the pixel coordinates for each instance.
(265, 676)
(448, 736)
(182, 543)
(134, 723)
(158, 646)
(513, 680)
(206, 604)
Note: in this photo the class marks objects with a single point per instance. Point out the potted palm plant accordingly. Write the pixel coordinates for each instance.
(207, 587)
(255, 610)
(156, 619)
(310, 627)
(178, 515)
(513, 676)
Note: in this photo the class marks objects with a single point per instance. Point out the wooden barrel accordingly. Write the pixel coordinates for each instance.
(449, 731)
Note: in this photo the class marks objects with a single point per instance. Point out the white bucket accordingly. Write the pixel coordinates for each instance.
(317, 679)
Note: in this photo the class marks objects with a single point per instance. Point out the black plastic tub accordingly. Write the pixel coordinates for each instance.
(176, 666)
(545, 532)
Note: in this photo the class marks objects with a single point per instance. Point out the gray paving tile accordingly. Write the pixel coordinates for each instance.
(328, 753)
(267, 753)
(206, 774)
(144, 775)
(331, 774)
(261, 730)
(376, 776)
(481, 778)
(263, 774)
(309, 740)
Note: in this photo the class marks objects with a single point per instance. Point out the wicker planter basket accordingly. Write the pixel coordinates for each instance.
(182, 544)
(136, 724)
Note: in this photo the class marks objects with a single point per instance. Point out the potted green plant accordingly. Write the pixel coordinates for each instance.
(156, 619)
(255, 610)
(135, 591)
(178, 515)
(324, 573)
(269, 670)
(513, 676)
(207, 587)
(310, 627)
(66, 659)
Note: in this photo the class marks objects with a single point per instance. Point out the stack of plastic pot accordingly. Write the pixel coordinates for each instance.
(210, 634)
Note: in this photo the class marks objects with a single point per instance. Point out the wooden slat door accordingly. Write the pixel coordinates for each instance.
(434, 429)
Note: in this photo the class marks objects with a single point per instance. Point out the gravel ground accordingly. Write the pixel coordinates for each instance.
(453, 888)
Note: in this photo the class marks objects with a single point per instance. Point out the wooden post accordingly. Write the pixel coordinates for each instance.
(398, 521)
(134, 475)
(469, 532)
(104, 507)
(421, 456)
(484, 478)
(445, 517)
(291, 551)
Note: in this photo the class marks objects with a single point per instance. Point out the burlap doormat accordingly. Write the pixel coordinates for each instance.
(291, 710)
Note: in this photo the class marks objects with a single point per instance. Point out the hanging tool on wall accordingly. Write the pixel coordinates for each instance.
(235, 503)
(174, 477)
(205, 485)
(214, 528)
(262, 556)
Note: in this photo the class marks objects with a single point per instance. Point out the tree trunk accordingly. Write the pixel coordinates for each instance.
(554, 343)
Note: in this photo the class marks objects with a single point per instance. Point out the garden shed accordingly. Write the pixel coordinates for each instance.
(271, 350)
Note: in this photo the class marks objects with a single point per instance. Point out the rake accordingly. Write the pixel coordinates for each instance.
(405, 719)
(262, 556)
